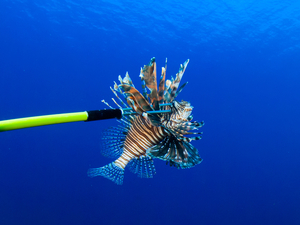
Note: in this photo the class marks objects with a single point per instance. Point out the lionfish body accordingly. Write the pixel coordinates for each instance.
(157, 131)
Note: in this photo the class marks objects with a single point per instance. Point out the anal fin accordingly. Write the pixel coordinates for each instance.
(142, 166)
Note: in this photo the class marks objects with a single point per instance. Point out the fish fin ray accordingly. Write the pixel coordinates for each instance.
(113, 140)
(142, 166)
(178, 153)
(110, 171)
(149, 75)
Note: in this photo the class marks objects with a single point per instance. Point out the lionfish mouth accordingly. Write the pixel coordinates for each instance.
(154, 125)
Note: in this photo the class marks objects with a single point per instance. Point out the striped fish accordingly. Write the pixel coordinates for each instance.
(141, 137)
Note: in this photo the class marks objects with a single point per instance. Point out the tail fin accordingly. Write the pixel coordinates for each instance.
(110, 171)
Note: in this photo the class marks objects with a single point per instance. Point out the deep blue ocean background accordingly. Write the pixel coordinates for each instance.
(61, 56)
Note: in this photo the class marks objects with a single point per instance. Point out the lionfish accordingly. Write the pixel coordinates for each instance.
(152, 127)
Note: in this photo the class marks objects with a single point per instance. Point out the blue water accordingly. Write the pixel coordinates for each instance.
(244, 79)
